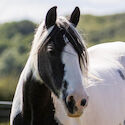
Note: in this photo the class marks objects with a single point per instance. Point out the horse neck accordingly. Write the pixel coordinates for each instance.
(42, 103)
(37, 97)
(38, 105)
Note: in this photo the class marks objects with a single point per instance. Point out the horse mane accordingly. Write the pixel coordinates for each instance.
(42, 34)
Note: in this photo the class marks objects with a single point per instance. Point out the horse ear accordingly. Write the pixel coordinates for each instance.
(51, 17)
(74, 18)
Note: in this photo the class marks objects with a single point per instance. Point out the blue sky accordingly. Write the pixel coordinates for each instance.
(35, 10)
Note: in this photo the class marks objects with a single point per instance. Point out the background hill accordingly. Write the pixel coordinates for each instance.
(15, 42)
(16, 39)
(98, 29)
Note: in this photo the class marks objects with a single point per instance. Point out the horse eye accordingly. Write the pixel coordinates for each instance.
(50, 49)
(51, 52)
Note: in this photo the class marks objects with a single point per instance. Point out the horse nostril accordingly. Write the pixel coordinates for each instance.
(71, 101)
(83, 102)
(71, 104)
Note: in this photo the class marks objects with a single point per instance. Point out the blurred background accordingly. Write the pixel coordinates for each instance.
(101, 21)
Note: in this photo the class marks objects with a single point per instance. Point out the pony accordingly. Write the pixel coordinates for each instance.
(56, 65)
(63, 83)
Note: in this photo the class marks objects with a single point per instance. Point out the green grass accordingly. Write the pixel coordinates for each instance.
(99, 29)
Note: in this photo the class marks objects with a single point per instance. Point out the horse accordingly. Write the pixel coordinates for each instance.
(63, 83)
(56, 66)
(105, 87)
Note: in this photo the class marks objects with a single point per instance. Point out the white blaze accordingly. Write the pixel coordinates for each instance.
(73, 74)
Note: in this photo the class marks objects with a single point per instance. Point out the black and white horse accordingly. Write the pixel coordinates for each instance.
(51, 89)
(56, 64)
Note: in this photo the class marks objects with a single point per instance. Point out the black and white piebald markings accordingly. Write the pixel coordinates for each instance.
(121, 74)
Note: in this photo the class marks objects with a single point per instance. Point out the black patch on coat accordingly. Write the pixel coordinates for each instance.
(50, 66)
(124, 122)
(38, 107)
(18, 120)
(65, 86)
(71, 103)
(121, 74)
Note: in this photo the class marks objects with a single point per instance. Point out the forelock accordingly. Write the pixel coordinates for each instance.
(76, 40)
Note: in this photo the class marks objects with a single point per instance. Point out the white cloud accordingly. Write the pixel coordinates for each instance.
(106, 1)
(36, 9)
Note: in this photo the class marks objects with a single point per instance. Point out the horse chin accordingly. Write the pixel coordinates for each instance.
(75, 115)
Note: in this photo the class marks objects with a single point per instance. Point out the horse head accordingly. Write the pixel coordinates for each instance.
(62, 60)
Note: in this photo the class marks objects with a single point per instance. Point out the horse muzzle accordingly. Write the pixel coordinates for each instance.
(75, 108)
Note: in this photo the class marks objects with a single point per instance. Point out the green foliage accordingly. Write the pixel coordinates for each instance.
(9, 30)
(99, 29)
(15, 42)
(16, 37)
(7, 86)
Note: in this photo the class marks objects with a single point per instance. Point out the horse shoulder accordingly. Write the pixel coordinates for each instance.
(18, 97)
